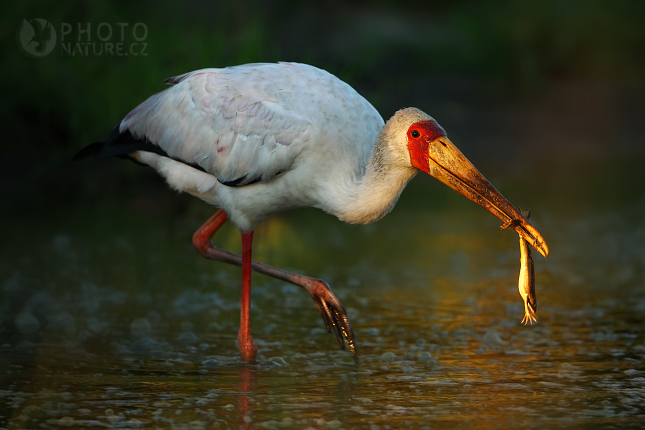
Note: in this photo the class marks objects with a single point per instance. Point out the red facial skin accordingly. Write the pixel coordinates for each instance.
(418, 146)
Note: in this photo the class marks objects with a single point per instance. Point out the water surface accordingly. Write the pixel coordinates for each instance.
(111, 319)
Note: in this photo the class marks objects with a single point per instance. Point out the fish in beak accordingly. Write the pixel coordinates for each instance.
(432, 152)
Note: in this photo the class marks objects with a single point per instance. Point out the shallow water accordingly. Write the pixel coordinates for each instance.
(111, 319)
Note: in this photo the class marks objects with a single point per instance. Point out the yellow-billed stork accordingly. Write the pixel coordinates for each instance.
(259, 139)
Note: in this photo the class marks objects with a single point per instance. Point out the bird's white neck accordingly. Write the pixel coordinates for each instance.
(373, 195)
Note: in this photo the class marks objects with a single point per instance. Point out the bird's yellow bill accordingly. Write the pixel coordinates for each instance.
(450, 166)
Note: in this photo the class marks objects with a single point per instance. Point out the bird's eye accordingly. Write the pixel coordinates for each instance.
(415, 133)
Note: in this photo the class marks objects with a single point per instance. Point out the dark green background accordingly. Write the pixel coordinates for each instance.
(575, 69)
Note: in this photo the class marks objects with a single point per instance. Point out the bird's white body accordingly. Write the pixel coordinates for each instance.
(289, 135)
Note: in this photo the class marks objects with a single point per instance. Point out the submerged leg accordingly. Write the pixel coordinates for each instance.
(331, 309)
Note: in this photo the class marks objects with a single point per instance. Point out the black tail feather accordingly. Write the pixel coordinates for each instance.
(90, 150)
(118, 144)
(122, 144)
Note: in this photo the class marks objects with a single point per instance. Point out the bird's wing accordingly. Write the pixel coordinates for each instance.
(229, 122)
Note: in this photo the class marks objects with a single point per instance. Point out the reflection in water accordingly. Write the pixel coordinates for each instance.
(245, 388)
(129, 329)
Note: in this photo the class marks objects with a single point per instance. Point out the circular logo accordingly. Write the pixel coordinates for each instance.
(36, 37)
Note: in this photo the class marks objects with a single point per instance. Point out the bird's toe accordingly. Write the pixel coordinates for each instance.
(334, 315)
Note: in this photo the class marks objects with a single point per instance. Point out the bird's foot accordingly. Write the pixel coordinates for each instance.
(334, 314)
(248, 350)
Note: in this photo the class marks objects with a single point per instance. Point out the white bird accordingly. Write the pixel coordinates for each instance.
(259, 139)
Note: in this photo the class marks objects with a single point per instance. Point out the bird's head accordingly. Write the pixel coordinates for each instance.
(432, 152)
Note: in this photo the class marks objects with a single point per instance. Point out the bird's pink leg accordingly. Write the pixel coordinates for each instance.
(248, 350)
(202, 242)
(331, 309)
